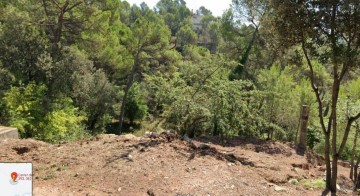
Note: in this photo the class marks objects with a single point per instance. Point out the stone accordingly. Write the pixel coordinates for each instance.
(279, 189)
(150, 192)
(129, 136)
(338, 187)
(8, 133)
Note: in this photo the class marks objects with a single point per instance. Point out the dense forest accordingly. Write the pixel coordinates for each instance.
(74, 68)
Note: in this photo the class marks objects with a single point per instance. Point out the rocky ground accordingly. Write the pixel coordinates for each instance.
(167, 165)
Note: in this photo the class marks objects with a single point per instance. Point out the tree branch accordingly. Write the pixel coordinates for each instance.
(347, 131)
(57, 4)
(315, 89)
(73, 6)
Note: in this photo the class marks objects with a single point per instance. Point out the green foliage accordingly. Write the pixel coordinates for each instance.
(314, 136)
(198, 99)
(88, 83)
(316, 184)
(63, 71)
(346, 154)
(185, 36)
(293, 181)
(280, 104)
(136, 108)
(63, 123)
(174, 13)
(26, 107)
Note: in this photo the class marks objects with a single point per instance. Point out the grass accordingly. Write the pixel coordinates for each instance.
(293, 181)
(48, 176)
(49, 172)
(315, 184)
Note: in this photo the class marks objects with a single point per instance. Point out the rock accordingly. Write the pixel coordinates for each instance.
(232, 186)
(150, 192)
(296, 170)
(338, 187)
(321, 168)
(119, 189)
(153, 135)
(279, 189)
(129, 136)
(186, 138)
(270, 184)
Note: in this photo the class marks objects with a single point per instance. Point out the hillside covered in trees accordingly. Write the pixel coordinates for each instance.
(70, 69)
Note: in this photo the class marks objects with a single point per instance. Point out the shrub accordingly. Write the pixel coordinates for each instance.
(316, 184)
(314, 136)
(25, 106)
(136, 108)
(35, 116)
(63, 123)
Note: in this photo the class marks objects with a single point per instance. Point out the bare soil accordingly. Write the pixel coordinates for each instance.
(167, 165)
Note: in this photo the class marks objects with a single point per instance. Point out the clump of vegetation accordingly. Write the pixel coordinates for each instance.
(315, 184)
(293, 181)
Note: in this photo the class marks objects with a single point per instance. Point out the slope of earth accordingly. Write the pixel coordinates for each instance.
(166, 165)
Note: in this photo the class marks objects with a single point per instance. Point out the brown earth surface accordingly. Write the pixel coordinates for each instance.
(167, 165)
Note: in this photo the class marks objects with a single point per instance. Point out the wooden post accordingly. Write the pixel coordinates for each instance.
(301, 146)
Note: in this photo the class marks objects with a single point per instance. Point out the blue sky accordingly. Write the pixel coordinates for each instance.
(216, 6)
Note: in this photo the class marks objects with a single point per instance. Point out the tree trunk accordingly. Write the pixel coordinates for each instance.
(356, 182)
(240, 71)
(353, 155)
(301, 147)
(334, 173)
(327, 161)
(127, 88)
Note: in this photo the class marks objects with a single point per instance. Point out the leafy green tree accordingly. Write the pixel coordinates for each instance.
(202, 11)
(240, 38)
(326, 31)
(136, 108)
(198, 99)
(174, 12)
(6, 79)
(280, 104)
(21, 44)
(185, 36)
(86, 89)
(63, 123)
(25, 105)
(100, 38)
(146, 41)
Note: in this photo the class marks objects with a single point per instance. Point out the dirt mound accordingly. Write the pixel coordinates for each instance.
(164, 164)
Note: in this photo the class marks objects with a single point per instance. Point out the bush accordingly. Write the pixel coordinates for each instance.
(35, 116)
(25, 106)
(314, 136)
(136, 108)
(63, 123)
(316, 184)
